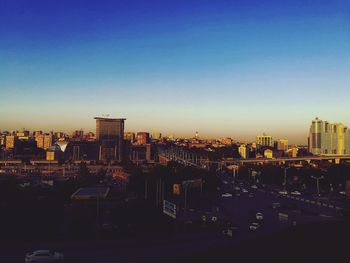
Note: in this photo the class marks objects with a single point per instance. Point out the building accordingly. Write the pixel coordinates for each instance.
(10, 142)
(110, 135)
(44, 141)
(264, 140)
(129, 136)
(268, 153)
(156, 135)
(143, 138)
(78, 134)
(328, 138)
(282, 145)
(243, 151)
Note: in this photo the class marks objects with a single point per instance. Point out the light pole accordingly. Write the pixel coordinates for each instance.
(317, 183)
(285, 177)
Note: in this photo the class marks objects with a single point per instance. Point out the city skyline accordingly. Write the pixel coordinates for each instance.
(229, 68)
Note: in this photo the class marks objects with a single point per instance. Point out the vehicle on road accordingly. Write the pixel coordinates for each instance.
(237, 188)
(44, 256)
(283, 192)
(254, 186)
(254, 226)
(295, 193)
(226, 195)
(276, 205)
(259, 216)
(342, 193)
(225, 182)
(230, 232)
(244, 190)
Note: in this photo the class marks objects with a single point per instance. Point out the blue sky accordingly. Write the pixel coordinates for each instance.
(224, 68)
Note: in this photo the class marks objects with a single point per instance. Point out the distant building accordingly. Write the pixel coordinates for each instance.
(36, 133)
(143, 138)
(110, 135)
(156, 135)
(227, 141)
(282, 145)
(129, 136)
(264, 140)
(295, 151)
(10, 142)
(44, 141)
(328, 138)
(243, 151)
(78, 134)
(268, 153)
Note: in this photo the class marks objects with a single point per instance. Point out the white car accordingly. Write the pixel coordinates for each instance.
(254, 187)
(259, 216)
(283, 192)
(295, 193)
(244, 190)
(44, 256)
(342, 193)
(225, 182)
(254, 226)
(237, 188)
(226, 195)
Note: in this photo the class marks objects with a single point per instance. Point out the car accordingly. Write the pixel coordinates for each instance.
(237, 188)
(225, 182)
(226, 195)
(259, 216)
(254, 186)
(244, 190)
(44, 256)
(276, 205)
(229, 232)
(342, 193)
(283, 192)
(254, 226)
(295, 193)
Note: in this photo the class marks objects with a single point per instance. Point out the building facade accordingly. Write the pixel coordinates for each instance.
(110, 135)
(329, 138)
(264, 140)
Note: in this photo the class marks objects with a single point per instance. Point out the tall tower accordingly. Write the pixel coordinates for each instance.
(110, 135)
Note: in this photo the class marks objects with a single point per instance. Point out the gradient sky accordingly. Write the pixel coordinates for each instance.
(224, 68)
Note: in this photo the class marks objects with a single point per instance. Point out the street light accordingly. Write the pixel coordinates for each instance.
(317, 182)
(285, 177)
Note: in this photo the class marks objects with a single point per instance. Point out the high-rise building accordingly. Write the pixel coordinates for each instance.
(110, 134)
(264, 140)
(328, 138)
(10, 141)
(44, 141)
(142, 138)
(78, 134)
(243, 151)
(282, 145)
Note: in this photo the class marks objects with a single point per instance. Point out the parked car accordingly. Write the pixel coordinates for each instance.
(44, 256)
(244, 190)
(254, 186)
(254, 226)
(295, 193)
(237, 188)
(259, 216)
(283, 192)
(342, 193)
(226, 195)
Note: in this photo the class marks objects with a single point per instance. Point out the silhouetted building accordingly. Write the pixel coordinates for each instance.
(142, 138)
(110, 135)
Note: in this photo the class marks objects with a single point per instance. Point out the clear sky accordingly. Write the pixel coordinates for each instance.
(224, 68)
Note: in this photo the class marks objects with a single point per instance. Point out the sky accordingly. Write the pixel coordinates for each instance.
(222, 68)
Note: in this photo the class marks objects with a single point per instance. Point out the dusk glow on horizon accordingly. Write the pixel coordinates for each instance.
(223, 68)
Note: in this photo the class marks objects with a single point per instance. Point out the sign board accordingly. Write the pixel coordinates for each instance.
(169, 209)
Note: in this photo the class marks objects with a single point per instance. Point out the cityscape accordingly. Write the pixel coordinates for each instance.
(224, 134)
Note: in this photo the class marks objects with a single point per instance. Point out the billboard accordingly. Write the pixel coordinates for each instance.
(176, 189)
(169, 209)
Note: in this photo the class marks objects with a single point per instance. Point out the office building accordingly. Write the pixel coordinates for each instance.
(142, 138)
(10, 142)
(44, 141)
(110, 135)
(243, 151)
(264, 140)
(329, 138)
(282, 145)
(129, 136)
